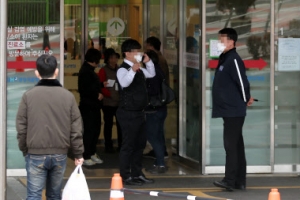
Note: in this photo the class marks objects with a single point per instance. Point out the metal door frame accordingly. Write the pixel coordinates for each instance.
(203, 61)
(250, 169)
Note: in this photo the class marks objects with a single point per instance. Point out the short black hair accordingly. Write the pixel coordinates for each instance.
(46, 65)
(108, 53)
(230, 32)
(154, 41)
(93, 55)
(153, 56)
(129, 45)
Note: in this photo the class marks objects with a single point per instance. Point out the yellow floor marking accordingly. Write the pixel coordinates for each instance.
(201, 194)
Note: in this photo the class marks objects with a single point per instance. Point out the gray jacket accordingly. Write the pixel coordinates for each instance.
(48, 120)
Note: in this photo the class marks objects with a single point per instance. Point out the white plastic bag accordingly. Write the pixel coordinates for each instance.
(76, 188)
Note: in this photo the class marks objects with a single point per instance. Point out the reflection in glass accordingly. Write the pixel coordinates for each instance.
(191, 92)
(251, 19)
(28, 37)
(169, 51)
(287, 81)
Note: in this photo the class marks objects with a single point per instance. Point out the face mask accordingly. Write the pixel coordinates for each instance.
(138, 57)
(221, 47)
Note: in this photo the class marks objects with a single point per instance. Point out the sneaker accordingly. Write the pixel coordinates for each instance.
(150, 154)
(96, 159)
(89, 162)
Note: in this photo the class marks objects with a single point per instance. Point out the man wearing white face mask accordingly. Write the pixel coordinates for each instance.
(133, 100)
(231, 96)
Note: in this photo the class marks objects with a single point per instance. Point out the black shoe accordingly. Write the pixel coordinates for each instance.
(166, 155)
(157, 170)
(143, 179)
(240, 186)
(150, 154)
(130, 181)
(223, 184)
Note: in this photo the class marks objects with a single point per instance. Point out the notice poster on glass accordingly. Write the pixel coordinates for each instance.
(27, 43)
(289, 54)
(213, 49)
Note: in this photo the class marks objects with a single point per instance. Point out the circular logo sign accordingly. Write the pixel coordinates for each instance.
(115, 26)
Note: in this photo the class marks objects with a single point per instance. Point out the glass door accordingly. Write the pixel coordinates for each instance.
(286, 87)
(74, 41)
(109, 24)
(161, 21)
(252, 22)
(28, 37)
(190, 80)
(99, 24)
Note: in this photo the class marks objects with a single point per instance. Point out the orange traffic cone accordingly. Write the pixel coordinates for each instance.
(274, 194)
(116, 192)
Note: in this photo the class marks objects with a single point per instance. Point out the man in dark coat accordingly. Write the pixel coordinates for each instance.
(231, 96)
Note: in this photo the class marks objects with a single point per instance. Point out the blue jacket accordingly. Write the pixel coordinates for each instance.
(227, 95)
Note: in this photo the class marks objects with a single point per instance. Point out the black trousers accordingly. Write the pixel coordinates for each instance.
(235, 168)
(91, 118)
(109, 112)
(134, 141)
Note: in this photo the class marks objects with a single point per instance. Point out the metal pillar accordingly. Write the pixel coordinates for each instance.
(3, 35)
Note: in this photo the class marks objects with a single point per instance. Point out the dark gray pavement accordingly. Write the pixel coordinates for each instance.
(258, 187)
(179, 179)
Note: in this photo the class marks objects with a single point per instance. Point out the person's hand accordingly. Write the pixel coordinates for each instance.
(100, 96)
(136, 67)
(146, 58)
(251, 100)
(105, 83)
(79, 161)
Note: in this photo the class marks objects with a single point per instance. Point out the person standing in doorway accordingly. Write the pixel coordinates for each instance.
(230, 98)
(48, 124)
(154, 44)
(155, 117)
(89, 88)
(133, 100)
(111, 98)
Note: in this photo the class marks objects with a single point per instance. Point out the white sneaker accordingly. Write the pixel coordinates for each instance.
(96, 159)
(89, 162)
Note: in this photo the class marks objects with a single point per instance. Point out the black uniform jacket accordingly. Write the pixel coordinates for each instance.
(227, 95)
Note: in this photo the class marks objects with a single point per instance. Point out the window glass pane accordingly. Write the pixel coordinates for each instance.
(191, 80)
(33, 30)
(107, 25)
(252, 22)
(72, 32)
(286, 79)
(154, 20)
(170, 52)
